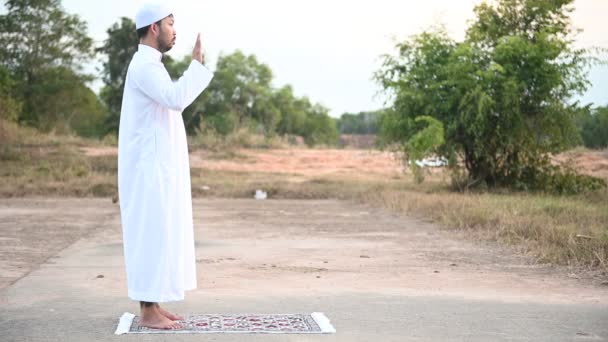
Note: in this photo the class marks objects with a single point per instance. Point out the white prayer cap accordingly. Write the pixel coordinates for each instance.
(151, 12)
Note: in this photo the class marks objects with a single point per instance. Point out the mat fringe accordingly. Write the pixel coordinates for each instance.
(323, 322)
(124, 325)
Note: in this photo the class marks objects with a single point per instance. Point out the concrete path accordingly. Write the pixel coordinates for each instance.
(378, 276)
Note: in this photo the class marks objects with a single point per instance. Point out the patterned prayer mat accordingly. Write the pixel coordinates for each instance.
(314, 323)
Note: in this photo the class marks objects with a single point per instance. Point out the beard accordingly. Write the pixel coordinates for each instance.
(164, 45)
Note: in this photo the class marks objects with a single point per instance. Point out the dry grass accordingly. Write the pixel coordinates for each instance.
(242, 138)
(563, 230)
(33, 163)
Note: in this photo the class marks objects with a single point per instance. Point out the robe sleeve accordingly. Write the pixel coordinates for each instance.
(154, 81)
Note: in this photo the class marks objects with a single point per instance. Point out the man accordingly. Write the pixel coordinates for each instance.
(154, 171)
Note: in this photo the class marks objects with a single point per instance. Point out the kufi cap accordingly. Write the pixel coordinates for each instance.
(149, 13)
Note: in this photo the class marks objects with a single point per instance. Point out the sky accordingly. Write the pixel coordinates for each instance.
(327, 50)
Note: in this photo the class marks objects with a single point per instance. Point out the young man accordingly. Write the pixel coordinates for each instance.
(154, 171)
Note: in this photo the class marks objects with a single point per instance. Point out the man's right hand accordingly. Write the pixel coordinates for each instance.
(197, 52)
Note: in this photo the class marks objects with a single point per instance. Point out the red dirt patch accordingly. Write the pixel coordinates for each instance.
(320, 162)
(593, 163)
(306, 162)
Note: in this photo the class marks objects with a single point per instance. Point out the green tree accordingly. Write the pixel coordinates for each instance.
(240, 82)
(594, 127)
(360, 123)
(320, 128)
(40, 40)
(266, 114)
(423, 143)
(119, 48)
(503, 95)
(10, 106)
(293, 111)
(69, 105)
(240, 95)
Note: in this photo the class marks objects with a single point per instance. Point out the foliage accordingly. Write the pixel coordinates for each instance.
(41, 42)
(423, 144)
(360, 123)
(594, 127)
(118, 48)
(294, 111)
(503, 94)
(9, 105)
(241, 96)
(320, 128)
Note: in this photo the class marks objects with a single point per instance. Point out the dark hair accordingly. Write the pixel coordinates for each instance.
(143, 32)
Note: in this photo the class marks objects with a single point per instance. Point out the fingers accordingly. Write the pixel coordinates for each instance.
(197, 52)
(198, 40)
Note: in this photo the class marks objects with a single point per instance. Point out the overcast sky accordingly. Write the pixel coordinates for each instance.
(327, 50)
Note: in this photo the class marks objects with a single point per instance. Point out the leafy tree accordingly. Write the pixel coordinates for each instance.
(594, 127)
(10, 106)
(503, 94)
(360, 123)
(423, 143)
(266, 114)
(240, 95)
(240, 82)
(293, 111)
(68, 103)
(40, 40)
(320, 128)
(119, 48)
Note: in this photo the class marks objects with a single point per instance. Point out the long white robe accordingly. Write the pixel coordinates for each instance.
(154, 178)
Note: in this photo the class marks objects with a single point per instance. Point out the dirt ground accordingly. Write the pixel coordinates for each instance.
(381, 249)
(379, 276)
(33, 230)
(304, 162)
(301, 161)
(245, 247)
(323, 162)
(594, 163)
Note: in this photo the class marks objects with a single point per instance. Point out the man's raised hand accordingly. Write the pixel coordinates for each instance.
(197, 52)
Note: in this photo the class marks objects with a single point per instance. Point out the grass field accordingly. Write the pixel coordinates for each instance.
(569, 230)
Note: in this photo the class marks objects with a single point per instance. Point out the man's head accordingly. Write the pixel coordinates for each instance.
(154, 24)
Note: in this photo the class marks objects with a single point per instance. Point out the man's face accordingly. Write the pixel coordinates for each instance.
(166, 34)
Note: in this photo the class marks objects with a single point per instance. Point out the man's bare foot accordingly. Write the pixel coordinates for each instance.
(152, 318)
(169, 315)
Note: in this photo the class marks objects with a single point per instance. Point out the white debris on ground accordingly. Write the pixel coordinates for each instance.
(432, 162)
(260, 195)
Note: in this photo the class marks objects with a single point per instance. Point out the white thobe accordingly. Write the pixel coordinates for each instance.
(154, 178)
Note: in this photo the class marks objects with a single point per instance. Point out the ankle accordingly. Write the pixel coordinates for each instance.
(147, 305)
(148, 310)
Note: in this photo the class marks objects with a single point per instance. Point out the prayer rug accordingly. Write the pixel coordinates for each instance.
(314, 323)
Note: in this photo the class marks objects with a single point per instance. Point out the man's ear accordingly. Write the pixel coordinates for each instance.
(154, 29)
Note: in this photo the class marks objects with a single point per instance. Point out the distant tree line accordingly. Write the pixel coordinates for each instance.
(42, 83)
(593, 125)
(360, 123)
(503, 95)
